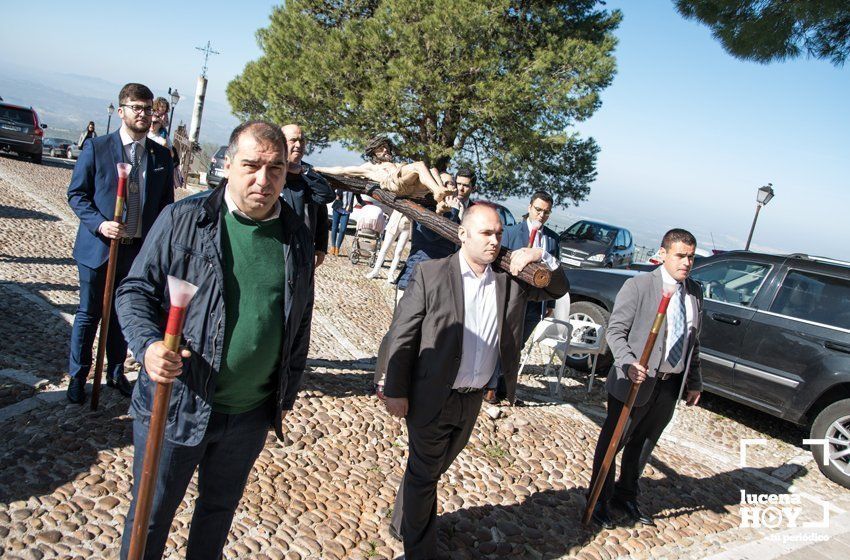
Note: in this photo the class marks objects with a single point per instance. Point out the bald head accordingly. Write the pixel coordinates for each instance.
(295, 142)
(480, 235)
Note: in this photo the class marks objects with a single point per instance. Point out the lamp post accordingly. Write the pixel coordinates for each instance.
(764, 195)
(175, 97)
(109, 111)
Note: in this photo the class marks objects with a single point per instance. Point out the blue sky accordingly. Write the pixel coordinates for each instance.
(688, 133)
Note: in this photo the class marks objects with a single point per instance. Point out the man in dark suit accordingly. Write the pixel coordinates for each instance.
(306, 191)
(457, 320)
(519, 236)
(673, 368)
(91, 195)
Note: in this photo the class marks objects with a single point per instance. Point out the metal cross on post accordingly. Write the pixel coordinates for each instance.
(207, 50)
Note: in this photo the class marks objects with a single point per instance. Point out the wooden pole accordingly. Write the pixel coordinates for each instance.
(623, 419)
(109, 287)
(156, 430)
(536, 274)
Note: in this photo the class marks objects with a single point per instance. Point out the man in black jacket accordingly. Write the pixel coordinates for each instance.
(458, 319)
(252, 259)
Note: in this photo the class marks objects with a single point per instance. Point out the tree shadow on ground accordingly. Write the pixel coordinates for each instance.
(4, 257)
(52, 445)
(548, 523)
(15, 213)
(772, 426)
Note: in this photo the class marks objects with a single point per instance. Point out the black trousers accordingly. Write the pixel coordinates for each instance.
(431, 450)
(643, 429)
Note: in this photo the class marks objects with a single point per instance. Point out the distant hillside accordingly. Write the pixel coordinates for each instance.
(67, 102)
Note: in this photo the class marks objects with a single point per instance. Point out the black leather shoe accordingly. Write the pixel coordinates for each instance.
(394, 534)
(120, 382)
(602, 516)
(77, 391)
(633, 511)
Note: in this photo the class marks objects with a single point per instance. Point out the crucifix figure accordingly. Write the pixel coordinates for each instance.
(403, 179)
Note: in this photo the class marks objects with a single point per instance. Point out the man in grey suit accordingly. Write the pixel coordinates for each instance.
(459, 318)
(673, 368)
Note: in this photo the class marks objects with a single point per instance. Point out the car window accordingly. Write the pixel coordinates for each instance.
(507, 217)
(628, 238)
(17, 116)
(621, 238)
(731, 281)
(591, 232)
(220, 153)
(814, 297)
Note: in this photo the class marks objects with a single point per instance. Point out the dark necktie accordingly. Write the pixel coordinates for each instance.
(133, 194)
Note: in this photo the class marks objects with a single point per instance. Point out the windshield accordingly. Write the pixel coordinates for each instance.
(591, 232)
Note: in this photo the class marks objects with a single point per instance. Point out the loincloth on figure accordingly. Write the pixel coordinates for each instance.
(404, 183)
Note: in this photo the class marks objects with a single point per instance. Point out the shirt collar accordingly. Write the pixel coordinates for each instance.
(666, 278)
(126, 140)
(466, 270)
(233, 209)
(528, 223)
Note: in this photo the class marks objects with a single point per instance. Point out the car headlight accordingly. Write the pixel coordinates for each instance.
(599, 257)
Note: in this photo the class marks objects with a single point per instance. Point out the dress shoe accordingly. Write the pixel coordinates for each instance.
(633, 511)
(602, 516)
(395, 534)
(490, 396)
(120, 382)
(77, 391)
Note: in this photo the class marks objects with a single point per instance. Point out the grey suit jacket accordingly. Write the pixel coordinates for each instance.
(421, 351)
(628, 329)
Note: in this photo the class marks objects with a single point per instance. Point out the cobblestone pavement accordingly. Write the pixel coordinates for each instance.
(517, 491)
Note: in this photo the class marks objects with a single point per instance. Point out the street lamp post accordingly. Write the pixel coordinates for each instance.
(764, 195)
(109, 111)
(175, 97)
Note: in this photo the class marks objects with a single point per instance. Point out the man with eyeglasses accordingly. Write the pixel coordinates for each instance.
(91, 195)
(530, 232)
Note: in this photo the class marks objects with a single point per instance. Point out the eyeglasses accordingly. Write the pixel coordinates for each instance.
(541, 211)
(146, 109)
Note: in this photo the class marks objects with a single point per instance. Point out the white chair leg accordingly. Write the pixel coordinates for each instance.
(525, 360)
(592, 374)
(548, 367)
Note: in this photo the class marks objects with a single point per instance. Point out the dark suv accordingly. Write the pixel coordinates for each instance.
(594, 244)
(216, 171)
(775, 337)
(20, 131)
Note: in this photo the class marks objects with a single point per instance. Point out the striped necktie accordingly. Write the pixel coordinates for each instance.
(133, 195)
(678, 320)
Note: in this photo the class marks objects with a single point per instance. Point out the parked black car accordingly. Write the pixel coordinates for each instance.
(776, 337)
(56, 147)
(593, 244)
(216, 171)
(20, 131)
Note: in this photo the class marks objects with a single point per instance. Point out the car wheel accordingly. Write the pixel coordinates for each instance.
(833, 425)
(36, 158)
(583, 316)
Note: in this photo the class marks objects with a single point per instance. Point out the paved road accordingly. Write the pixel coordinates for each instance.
(326, 491)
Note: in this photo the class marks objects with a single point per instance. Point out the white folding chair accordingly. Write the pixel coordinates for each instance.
(554, 333)
(588, 338)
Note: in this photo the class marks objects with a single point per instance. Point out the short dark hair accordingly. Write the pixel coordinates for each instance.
(466, 172)
(678, 235)
(132, 90)
(542, 195)
(262, 131)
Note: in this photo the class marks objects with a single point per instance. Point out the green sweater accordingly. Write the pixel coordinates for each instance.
(254, 284)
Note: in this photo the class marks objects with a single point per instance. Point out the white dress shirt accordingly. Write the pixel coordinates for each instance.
(126, 141)
(480, 352)
(540, 243)
(689, 322)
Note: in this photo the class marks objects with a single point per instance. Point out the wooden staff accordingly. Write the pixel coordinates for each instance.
(180, 294)
(536, 274)
(123, 173)
(614, 444)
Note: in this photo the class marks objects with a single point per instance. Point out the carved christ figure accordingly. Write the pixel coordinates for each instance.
(403, 179)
